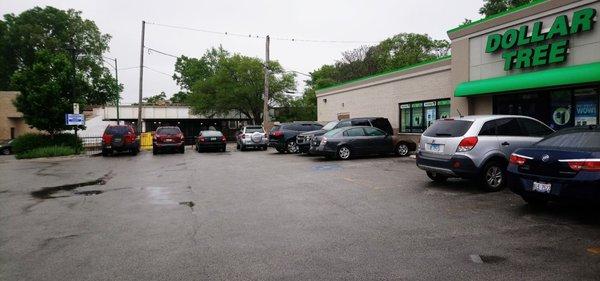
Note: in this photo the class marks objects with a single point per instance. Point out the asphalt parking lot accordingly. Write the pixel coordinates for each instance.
(258, 215)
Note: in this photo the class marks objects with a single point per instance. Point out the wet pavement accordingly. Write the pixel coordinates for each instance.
(259, 215)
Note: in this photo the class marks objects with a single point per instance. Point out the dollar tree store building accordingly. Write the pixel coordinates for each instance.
(541, 60)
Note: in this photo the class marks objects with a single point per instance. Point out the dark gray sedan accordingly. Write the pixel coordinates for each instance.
(345, 143)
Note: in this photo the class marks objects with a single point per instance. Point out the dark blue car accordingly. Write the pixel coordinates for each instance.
(564, 165)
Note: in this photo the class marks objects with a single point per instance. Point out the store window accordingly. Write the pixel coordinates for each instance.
(586, 107)
(415, 117)
(560, 105)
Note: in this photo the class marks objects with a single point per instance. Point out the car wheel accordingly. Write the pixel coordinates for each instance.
(436, 177)
(242, 147)
(535, 201)
(494, 176)
(291, 147)
(105, 152)
(134, 151)
(402, 149)
(223, 149)
(182, 149)
(344, 153)
(154, 151)
(237, 146)
(5, 151)
(264, 148)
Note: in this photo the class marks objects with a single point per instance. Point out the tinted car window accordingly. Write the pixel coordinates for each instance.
(374, 132)
(448, 128)
(574, 140)
(354, 132)
(211, 133)
(117, 130)
(316, 127)
(509, 127)
(168, 131)
(330, 126)
(333, 132)
(534, 128)
(488, 128)
(305, 127)
(250, 130)
(343, 124)
(361, 122)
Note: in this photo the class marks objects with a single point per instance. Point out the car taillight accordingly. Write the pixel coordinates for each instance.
(590, 165)
(518, 160)
(223, 139)
(277, 134)
(201, 139)
(324, 140)
(129, 138)
(467, 144)
(107, 139)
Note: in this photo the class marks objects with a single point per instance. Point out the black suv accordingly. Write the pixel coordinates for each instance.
(120, 138)
(303, 139)
(283, 136)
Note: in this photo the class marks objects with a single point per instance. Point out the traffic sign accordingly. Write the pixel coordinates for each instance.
(74, 119)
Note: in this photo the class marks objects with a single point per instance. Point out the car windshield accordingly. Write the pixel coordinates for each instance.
(333, 132)
(112, 130)
(211, 133)
(573, 140)
(448, 128)
(250, 130)
(330, 125)
(168, 131)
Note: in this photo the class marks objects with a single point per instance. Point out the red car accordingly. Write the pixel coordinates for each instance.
(119, 138)
(168, 138)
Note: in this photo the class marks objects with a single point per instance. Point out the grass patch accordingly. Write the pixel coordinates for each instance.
(49, 151)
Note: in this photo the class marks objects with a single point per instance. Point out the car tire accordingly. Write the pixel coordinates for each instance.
(237, 146)
(105, 152)
(264, 147)
(134, 151)
(437, 177)
(198, 148)
(182, 149)
(291, 147)
(344, 153)
(223, 149)
(242, 147)
(535, 202)
(154, 151)
(5, 151)
(493, 177)
(280, 150)
(402, 149)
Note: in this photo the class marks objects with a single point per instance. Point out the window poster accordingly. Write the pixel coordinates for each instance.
(586, 107)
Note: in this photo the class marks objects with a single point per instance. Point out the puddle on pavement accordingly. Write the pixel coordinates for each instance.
(326, 167)
(487, 259)
(48, 192)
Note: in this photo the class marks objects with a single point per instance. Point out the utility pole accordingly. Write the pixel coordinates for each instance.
(139, 125)
(118, 90)
(266, 94)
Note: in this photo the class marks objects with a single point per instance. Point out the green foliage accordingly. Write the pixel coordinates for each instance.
(302, 109)
(31, 141)
(157, 99)
(395, 52)
(48, 151)
(180, 97)
(220, 83)
(492, 7)
(54, 58)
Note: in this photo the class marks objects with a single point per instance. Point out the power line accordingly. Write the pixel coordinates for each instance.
(127, 68)
(256, 36)
(158, 71)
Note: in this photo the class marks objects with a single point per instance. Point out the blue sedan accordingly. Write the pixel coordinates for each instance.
(564, 165)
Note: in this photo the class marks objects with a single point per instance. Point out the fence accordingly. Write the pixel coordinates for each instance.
(91, 144)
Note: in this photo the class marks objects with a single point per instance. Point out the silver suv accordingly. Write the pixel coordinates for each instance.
(252, 137)
(476, 147)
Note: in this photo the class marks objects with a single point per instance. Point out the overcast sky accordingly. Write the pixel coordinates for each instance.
(343, 20)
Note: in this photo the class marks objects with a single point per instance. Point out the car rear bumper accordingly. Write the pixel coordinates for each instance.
(561, 189)
(321, 150)
(249, 143)
(168, 145)
(211, 145)
(120, 147)
(457, 166)
(277, 144)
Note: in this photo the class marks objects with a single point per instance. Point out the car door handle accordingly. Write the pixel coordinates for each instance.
(505, 144)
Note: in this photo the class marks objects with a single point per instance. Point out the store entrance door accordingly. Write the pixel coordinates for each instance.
(530, 104)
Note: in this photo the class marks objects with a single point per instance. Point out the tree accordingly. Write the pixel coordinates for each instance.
(54, 58)
(180, 97)
(220, 83)
(156, 99)
(401, 50)
(493, 7)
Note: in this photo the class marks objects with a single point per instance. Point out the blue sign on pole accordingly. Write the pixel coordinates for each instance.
(74, 119)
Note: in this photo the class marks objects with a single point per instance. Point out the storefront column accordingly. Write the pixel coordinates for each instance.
(460, 74)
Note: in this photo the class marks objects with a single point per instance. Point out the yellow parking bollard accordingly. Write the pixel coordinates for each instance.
(146, 140)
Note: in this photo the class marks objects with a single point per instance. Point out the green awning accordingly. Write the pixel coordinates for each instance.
(570, 75)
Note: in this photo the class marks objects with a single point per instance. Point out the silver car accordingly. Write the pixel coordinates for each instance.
(252, 137)
(476, 147)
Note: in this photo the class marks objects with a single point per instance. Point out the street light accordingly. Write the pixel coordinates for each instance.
(116, 67)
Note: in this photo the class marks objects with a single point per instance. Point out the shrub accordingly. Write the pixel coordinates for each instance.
(32, 141)
(49, 151)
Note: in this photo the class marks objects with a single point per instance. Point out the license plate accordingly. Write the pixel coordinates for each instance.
(118, 139)
(434, 147)
(168, 140)
(542, 187)
(213, 139)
